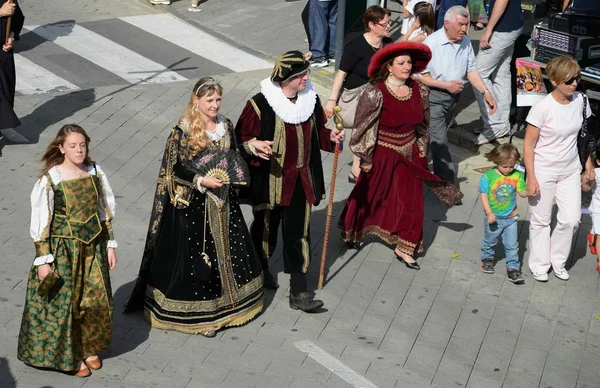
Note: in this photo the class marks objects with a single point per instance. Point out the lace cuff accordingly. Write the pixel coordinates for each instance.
(112, 244)
(249, 148)
(198, 183)
(47, 259)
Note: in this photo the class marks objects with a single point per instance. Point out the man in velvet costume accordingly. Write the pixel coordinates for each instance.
(8, 77)
(285, 165)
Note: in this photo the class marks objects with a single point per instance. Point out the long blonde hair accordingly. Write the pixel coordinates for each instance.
(198, 138)
(53, 157)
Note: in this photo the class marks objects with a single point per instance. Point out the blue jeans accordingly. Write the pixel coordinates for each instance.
(322, 25)
(507, 228)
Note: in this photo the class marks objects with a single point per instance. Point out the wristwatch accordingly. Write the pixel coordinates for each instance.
(484, 92)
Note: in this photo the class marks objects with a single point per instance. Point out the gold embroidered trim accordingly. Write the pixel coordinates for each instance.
(253, 103)
(252, 287)
(396, 135)
(304, 239)
(403, 245)
(236, 320)
(261, 207)
(300, 132)
(266, 232)
(405, 150)
(277, 160)
(405, 98)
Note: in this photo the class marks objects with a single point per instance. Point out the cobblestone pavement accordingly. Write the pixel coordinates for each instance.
(448, 325)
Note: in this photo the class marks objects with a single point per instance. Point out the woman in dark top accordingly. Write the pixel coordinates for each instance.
(352, 73)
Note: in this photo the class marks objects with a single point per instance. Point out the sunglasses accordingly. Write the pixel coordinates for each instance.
(577, 78)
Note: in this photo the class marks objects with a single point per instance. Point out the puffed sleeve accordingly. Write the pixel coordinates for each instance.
(366, 121)
(106, 207)
(42, 209)
(246, 129)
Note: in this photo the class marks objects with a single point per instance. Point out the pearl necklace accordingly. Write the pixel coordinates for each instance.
(395, 83)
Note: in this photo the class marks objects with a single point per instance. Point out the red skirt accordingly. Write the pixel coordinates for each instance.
(388, 202)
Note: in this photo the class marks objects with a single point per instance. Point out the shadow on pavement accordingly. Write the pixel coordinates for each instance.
(131, 330)
(51, 112)
(6, 378)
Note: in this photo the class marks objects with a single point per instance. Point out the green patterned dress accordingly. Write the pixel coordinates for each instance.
(71, 228)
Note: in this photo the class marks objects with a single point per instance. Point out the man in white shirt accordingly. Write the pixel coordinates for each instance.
(452, 60)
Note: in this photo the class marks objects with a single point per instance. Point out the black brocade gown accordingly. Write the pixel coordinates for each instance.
(178, 289)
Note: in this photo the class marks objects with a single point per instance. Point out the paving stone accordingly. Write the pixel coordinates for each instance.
(292, 369)
(558, 376)
(425, 355)
(436, 331)
(453, 372)
(253, 379)
(155, 379)
(480, 382)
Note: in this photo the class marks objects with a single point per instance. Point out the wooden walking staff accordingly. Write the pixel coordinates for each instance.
(338, 150)
(8, 25)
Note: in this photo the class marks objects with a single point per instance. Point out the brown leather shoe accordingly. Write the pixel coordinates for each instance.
(93, 363)
(83, 372)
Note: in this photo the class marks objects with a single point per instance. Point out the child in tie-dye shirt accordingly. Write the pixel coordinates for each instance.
(498, 191)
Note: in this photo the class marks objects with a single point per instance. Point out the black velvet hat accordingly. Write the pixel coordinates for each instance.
(288, 65)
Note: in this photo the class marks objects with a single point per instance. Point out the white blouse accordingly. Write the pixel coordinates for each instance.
(42, 207)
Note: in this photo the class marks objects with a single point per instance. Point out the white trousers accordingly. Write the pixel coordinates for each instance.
(494, 66)
(547, 249)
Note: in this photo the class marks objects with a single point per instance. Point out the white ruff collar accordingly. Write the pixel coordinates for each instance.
(286, 110)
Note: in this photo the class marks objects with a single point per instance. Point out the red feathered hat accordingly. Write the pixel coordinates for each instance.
(419, 53)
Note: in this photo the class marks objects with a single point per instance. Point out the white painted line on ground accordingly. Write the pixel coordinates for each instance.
(197, 41)
(334, 365)
(105, 53)
(34, 79)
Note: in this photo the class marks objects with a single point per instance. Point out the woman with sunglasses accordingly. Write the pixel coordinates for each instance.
(352, 77)
(553, 169)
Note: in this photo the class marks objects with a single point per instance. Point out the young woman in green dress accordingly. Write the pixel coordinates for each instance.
(68, 312)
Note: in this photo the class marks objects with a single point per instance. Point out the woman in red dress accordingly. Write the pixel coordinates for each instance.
(391, 137)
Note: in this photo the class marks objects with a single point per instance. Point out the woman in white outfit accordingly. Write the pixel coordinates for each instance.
(553, 169)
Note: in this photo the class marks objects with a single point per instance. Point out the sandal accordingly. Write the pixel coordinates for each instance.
(352, 178)
(591, 237)
(478, 26)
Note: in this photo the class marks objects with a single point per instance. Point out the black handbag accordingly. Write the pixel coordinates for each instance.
(585, 141)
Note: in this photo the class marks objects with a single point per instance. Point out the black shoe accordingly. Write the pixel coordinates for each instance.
(269, 281)
(352, 178)
(487, 266)
(303, 301)
(352, 245)
(514, 275)
(414, 265)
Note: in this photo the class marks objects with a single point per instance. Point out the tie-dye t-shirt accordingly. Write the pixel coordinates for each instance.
(502, 191)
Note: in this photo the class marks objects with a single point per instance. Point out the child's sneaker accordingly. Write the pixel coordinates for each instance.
(487, 266)
(591, 240)
(514, 275)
